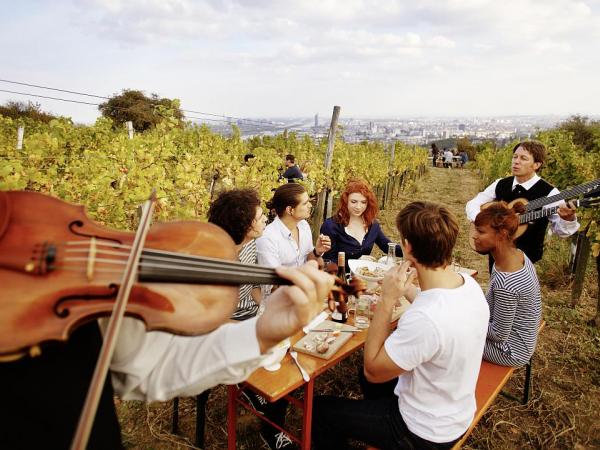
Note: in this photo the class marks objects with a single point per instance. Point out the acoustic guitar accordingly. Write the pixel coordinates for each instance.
(534, 209)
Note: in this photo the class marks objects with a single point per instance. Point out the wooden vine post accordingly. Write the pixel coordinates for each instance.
(324, 195)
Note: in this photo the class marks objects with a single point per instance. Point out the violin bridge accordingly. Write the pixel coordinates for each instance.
(91, 259)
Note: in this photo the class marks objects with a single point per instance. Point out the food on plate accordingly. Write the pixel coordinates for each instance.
(311, 347)
(378, 272)
(322, 347)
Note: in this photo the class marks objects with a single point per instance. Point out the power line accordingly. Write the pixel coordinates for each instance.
(254, 124)
(51, 98)
(107, 98)
(53, 89)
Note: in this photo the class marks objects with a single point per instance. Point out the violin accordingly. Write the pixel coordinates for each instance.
(60, 270)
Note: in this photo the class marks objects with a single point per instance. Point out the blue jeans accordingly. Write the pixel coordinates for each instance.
(376, 420)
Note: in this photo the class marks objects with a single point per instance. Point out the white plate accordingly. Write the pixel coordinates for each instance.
(356, 264)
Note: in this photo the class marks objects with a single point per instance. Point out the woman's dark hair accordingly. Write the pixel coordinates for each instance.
(500, 217)
(284, 196)
(234, 211)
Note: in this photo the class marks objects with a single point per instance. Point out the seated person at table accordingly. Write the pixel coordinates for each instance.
(41, 407)
(353, 229)
(422, 376)
(287, 241)
(239, 213)
(514, 294)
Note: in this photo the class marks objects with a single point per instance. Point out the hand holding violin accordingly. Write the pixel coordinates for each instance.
(290, 308)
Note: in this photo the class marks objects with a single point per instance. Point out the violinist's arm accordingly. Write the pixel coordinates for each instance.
(159, 366)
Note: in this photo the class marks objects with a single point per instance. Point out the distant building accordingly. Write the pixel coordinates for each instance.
(317, 120)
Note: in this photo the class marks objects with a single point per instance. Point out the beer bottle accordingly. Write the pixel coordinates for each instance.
(341, 308)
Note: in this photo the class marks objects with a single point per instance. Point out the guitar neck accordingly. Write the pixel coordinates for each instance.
(537, 214)
(569, 193)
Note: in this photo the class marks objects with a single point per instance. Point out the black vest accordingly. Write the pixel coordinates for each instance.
(42, 397)
(532, 241)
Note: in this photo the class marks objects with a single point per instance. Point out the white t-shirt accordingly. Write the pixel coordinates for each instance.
(276, 247)
(439, 341)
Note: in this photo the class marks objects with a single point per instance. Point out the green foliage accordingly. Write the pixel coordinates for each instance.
(145, 112)
(103, 169)
(586, 133)
(27, 112)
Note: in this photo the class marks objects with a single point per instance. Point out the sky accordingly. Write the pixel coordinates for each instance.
(292, 58)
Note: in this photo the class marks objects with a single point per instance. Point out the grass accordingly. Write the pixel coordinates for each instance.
(564, 407)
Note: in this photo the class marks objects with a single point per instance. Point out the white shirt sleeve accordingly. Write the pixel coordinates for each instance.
(158, 366)
(474, 205)
(267, 252)
(561, 227)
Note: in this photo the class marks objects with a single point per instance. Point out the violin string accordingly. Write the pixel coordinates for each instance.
(163, 255)
(185, 273)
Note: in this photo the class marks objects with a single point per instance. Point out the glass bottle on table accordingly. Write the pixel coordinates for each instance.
(340, 314)
(391, 255)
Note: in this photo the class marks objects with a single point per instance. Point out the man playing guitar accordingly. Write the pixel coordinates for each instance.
(528, 158)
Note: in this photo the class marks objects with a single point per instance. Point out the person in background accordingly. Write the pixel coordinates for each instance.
(528, 158)
(240, 214)
(418, 380)
(292, 171)
(354, 229)
(448, 156)
(464, 158)
(513, 296)
(434, 153)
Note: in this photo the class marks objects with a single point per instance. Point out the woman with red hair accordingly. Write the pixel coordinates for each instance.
(353, 229)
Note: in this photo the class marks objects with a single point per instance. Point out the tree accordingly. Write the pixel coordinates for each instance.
(30, 110)
(143, 111)
(586, 133)
(464, 145)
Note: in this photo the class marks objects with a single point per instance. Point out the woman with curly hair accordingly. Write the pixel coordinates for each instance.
(513, 295)
(239, 213)
(353, 229)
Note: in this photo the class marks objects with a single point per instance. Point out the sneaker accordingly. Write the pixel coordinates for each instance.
(258, 402)
(277, 441)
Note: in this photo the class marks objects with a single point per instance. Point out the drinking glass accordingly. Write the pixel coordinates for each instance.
(362, 311)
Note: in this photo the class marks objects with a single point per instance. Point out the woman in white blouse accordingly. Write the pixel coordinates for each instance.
(287, 241)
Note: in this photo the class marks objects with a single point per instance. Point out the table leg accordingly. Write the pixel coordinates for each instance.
(307, 416)
(232, 392)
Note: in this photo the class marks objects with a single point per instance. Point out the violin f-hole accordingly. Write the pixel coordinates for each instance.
(78, 224)
(61, 307)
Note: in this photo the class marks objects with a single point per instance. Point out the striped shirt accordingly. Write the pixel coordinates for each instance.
(247, 307)
(515, 303)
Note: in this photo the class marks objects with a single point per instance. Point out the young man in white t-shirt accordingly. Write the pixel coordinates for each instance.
(420, 378)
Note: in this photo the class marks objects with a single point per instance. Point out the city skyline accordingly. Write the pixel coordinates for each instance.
(376, 59)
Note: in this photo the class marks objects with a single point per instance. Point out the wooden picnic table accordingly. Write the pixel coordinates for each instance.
(281, 383)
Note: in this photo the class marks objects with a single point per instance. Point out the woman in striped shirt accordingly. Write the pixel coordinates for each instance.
(238, 212)
(514, 294)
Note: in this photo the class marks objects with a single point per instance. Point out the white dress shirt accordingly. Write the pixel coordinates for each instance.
(558, 226)
(276, 247)
(158, 366)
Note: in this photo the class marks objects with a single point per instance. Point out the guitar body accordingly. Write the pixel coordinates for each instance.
(519, 231)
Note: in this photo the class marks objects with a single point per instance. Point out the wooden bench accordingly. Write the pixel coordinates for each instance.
(492, 379)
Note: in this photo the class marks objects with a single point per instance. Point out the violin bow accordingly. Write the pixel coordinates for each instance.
(88, 414)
